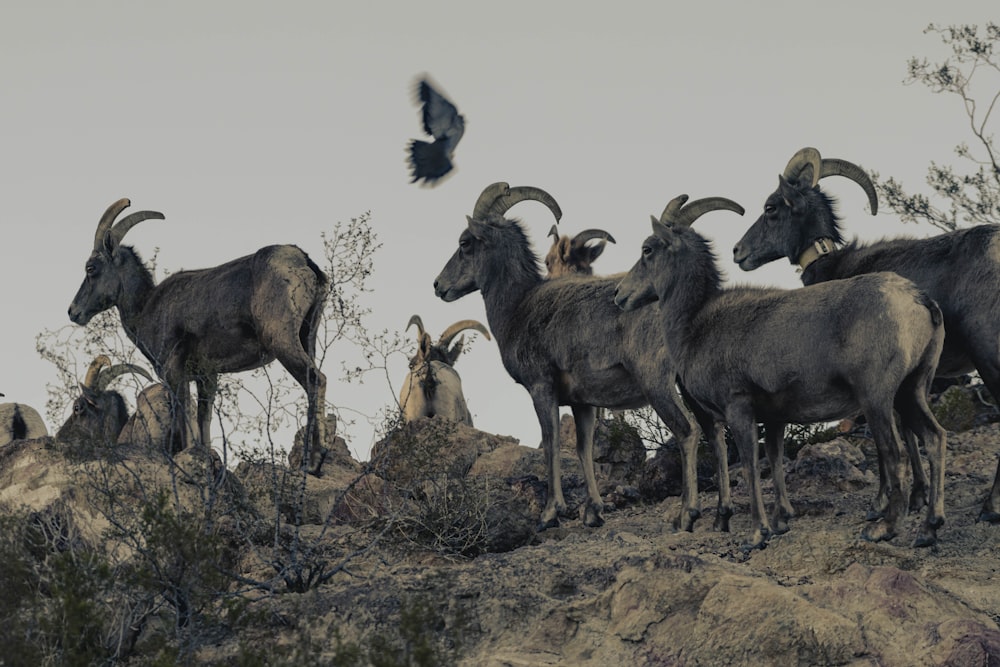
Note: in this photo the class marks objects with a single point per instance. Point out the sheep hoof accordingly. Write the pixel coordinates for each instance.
(722, 519)
(926, 538)
(878, 532)
(686, 520)
(874, 515)
(544, 525)
(989, 516)
(593, 516)
(757, 541)
(918, 500)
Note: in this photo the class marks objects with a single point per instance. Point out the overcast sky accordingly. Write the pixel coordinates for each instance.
(250, 123)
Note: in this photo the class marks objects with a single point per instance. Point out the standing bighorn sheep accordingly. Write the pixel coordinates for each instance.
(566, 343)
(195, 325)
(749, 354)
(568, 256)
(99, 414)
(20, 422)
(960, 270)
(433, 388)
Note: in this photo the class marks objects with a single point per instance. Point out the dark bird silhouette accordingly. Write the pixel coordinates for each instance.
(432, 161)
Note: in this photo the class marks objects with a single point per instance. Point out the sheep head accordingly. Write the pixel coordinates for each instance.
(96, 411)
(443, 350)
(798, 213)
(568, 256)
(102, 284)
(488, 230)
(671, 238)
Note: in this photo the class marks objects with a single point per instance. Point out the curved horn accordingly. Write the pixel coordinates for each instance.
(108, 375)
(804, 157)
(591, 234)
(699, 207)
(554, 232)
(108, 219)
(459, 326)
(672, 209)
(94, 371)
(835, 167)
(520, 193)
(420, 325)
(487, 197)
(119, 231)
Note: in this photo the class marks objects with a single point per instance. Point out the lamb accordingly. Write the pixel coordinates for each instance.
(960, 270)
(566, 343)
(746, 354)
(20, 422)
(195, 325)
(432, 388)
(568, 256)
(98, 413)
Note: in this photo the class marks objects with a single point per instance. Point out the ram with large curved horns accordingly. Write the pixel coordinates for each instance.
(960, 270)
(99, 413)
(194, 325)
(566, 343)
(433, 388)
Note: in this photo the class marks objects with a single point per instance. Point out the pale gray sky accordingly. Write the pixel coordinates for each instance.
(250, 123)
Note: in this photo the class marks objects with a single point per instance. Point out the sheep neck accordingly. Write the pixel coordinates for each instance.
(815, 250)
(504, 295)
(136, 285)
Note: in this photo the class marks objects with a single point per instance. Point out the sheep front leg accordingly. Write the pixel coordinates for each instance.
(669, 411)
(207, 386)
(584, 416)
(548, 419)
(743, 425)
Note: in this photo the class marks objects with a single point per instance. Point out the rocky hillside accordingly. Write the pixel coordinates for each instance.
(427, 555)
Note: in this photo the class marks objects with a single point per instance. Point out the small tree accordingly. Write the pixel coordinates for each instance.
(970, 196)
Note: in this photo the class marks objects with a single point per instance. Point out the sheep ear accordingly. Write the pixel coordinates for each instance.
(476, 228)
(595, 250)
(793, 198)
(661, 230)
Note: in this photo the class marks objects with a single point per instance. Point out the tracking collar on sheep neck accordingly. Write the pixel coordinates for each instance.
(815, 250)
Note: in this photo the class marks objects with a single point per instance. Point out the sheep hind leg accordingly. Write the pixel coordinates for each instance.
(917, 416)
(585, 416)
(312, 380)
(717, 430)
(774, 444)
(743, 425)
(886, 438)
(990, 374)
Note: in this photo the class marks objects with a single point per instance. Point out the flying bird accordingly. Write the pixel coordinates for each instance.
(432, 161)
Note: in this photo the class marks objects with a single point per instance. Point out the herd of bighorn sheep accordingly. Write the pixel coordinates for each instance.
(889, 317)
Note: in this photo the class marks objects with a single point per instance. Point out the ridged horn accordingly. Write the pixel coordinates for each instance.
(804, 157)
(94, 371)
(119, 231)
(672, 208)
(487, 197)
(684, 216)
(591, 234)
(554, 232)
(108, 219)
(420, 324)
(108, 375)
(460, 326)
(836, 167)
(514, 195)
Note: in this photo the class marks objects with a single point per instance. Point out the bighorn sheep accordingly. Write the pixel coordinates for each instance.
(196, 324)
(960, 270)
(432, 388)
(569, 256)
(99, 414)
(749, 354)
(20, 422)
(566, 343)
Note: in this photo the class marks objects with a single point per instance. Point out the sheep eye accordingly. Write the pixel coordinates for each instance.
(91, 269)
(646, 251)
(769, 208)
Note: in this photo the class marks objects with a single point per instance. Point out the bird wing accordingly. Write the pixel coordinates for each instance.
(441, 119)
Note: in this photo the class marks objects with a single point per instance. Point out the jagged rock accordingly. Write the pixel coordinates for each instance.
(334, 453)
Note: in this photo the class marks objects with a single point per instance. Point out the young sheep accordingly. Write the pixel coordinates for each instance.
(99, 414)
(747, 354)
(433, 388)
(566, 343)
(960, 270)
(568, 256)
